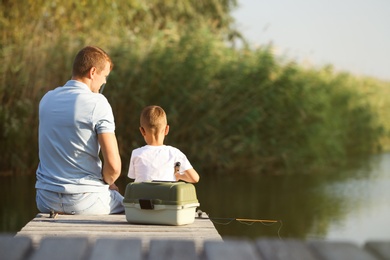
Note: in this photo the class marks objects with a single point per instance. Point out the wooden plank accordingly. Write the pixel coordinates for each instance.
(111, 223)
(288, 249)
(340, 250)
(115, 226)
(230, 250)
(14, 248)
(381, 249)
(172, 250)
(118, 249)
(64, 248)
(61, 248)
(112, 237)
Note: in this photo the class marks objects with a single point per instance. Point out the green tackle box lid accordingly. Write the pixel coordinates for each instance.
(161, 193)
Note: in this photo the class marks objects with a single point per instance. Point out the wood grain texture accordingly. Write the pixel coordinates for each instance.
(79, 237)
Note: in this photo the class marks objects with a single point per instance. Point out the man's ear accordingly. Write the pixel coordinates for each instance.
(92, 72)
(166, 129)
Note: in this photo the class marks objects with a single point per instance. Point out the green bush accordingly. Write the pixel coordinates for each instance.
(229, 109)
(241, 109)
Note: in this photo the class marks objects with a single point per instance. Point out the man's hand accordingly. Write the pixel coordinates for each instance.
(113, 187)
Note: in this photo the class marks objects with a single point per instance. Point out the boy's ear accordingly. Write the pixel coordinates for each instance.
(142, 130)
(166, 129)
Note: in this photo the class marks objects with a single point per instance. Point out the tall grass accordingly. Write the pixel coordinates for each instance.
(241, 109)
(229, 109)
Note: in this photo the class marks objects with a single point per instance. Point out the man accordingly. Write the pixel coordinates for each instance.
(75, 123)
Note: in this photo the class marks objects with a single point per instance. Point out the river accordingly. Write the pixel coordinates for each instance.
(350, 205)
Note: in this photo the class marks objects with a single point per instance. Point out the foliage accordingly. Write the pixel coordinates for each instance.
(39, 39)
(243, 110)
(229, 109)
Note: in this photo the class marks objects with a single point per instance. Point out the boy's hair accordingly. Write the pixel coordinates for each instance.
(89, 57)
(153, 118)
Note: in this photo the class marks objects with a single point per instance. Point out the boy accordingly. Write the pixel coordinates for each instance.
(156, 161)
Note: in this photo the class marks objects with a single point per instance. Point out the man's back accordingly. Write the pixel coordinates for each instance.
(70, 119)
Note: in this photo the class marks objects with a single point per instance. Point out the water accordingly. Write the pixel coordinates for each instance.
(344, 205)
(367, 203)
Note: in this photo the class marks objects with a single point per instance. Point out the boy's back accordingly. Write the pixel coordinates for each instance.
(156, 163)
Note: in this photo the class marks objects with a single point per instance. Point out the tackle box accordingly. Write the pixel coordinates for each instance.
(165, 203)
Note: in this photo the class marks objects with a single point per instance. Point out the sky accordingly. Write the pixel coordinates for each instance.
(350, 35)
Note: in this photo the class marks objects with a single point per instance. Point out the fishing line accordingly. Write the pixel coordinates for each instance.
(245, 221)
(214, 220)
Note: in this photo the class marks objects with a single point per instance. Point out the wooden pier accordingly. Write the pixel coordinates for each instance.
(111, 237)
(116, 226)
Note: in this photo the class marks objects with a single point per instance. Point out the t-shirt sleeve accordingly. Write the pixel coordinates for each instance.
(103, 117)
(131, 172)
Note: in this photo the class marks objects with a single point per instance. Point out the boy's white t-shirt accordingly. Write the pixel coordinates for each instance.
(156, 163)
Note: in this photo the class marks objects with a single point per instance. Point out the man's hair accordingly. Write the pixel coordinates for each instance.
(153, 118)
(88, 57)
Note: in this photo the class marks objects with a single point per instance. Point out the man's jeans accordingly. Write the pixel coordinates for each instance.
(90, 203)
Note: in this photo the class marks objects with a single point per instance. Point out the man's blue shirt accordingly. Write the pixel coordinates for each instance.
(70, 119)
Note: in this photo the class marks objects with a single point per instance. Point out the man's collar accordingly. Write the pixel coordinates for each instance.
(76, 83)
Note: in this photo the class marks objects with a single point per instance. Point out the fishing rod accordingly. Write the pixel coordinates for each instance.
(247, 221)
(200, 215)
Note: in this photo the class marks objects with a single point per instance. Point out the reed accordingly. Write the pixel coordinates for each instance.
(229, 109)
(242, 109)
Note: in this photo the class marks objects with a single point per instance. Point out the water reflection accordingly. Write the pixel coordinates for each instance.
(325, 206)
(17, 204)
(351, 205)
(366, 202)
(295, 200)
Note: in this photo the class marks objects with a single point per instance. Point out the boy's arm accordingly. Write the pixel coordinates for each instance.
(189, 175)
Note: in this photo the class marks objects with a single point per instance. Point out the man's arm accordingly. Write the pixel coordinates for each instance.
(112, 160)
